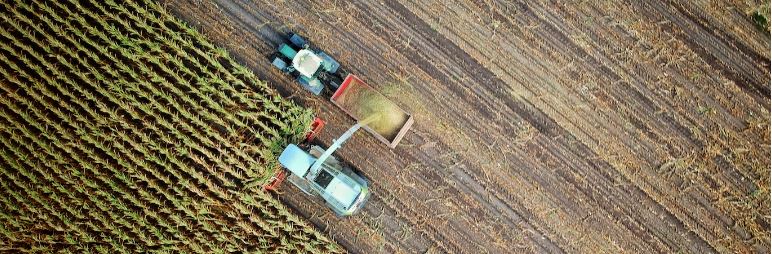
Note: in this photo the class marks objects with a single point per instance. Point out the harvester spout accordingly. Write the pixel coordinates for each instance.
(342, 139)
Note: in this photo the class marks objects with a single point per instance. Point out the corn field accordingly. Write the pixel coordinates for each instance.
(123, 130)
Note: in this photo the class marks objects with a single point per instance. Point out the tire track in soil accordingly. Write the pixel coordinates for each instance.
(391, 241)
(735, 123)
(712, 210)
(554, 31)
(709, 208)
(436, 240)
(747, 75)
(294, 198)
(476, 70)
(465, 181)
(441, 42)
(539, 118)
(395, 210)
(435, 75)
(700, 18)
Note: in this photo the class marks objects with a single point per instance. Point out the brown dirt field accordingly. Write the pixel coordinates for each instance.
(589, 126)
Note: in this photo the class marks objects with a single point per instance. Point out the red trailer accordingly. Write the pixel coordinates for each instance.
(359, 101)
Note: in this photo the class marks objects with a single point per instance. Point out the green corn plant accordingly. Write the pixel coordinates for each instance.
(30, 192)
(115, 102)
(230, 76)
(196, 62)
(93, 186)
(57, 199)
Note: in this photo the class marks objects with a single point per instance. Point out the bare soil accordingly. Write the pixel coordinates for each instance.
(581, 126)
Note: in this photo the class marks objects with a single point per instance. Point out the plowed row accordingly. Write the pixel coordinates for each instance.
(123, 131)
(541, 126)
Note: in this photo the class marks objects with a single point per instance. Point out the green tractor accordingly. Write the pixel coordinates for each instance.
(310, 167)
(312, 68)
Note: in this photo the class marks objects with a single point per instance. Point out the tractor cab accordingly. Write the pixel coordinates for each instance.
(312, 68)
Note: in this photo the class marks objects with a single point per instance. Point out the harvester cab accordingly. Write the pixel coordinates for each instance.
(317, 172)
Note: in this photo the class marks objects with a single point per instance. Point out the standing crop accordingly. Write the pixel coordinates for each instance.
(123, 130)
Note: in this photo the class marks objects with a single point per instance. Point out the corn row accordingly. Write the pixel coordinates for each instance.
(134, 87)
(99, 145)
(123, 130)
(101, 106)
(55, 140)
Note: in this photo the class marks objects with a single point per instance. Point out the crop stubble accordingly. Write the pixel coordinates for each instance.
(591, 126)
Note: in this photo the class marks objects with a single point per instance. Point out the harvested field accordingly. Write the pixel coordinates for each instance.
(124, 131)
(580, 126)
